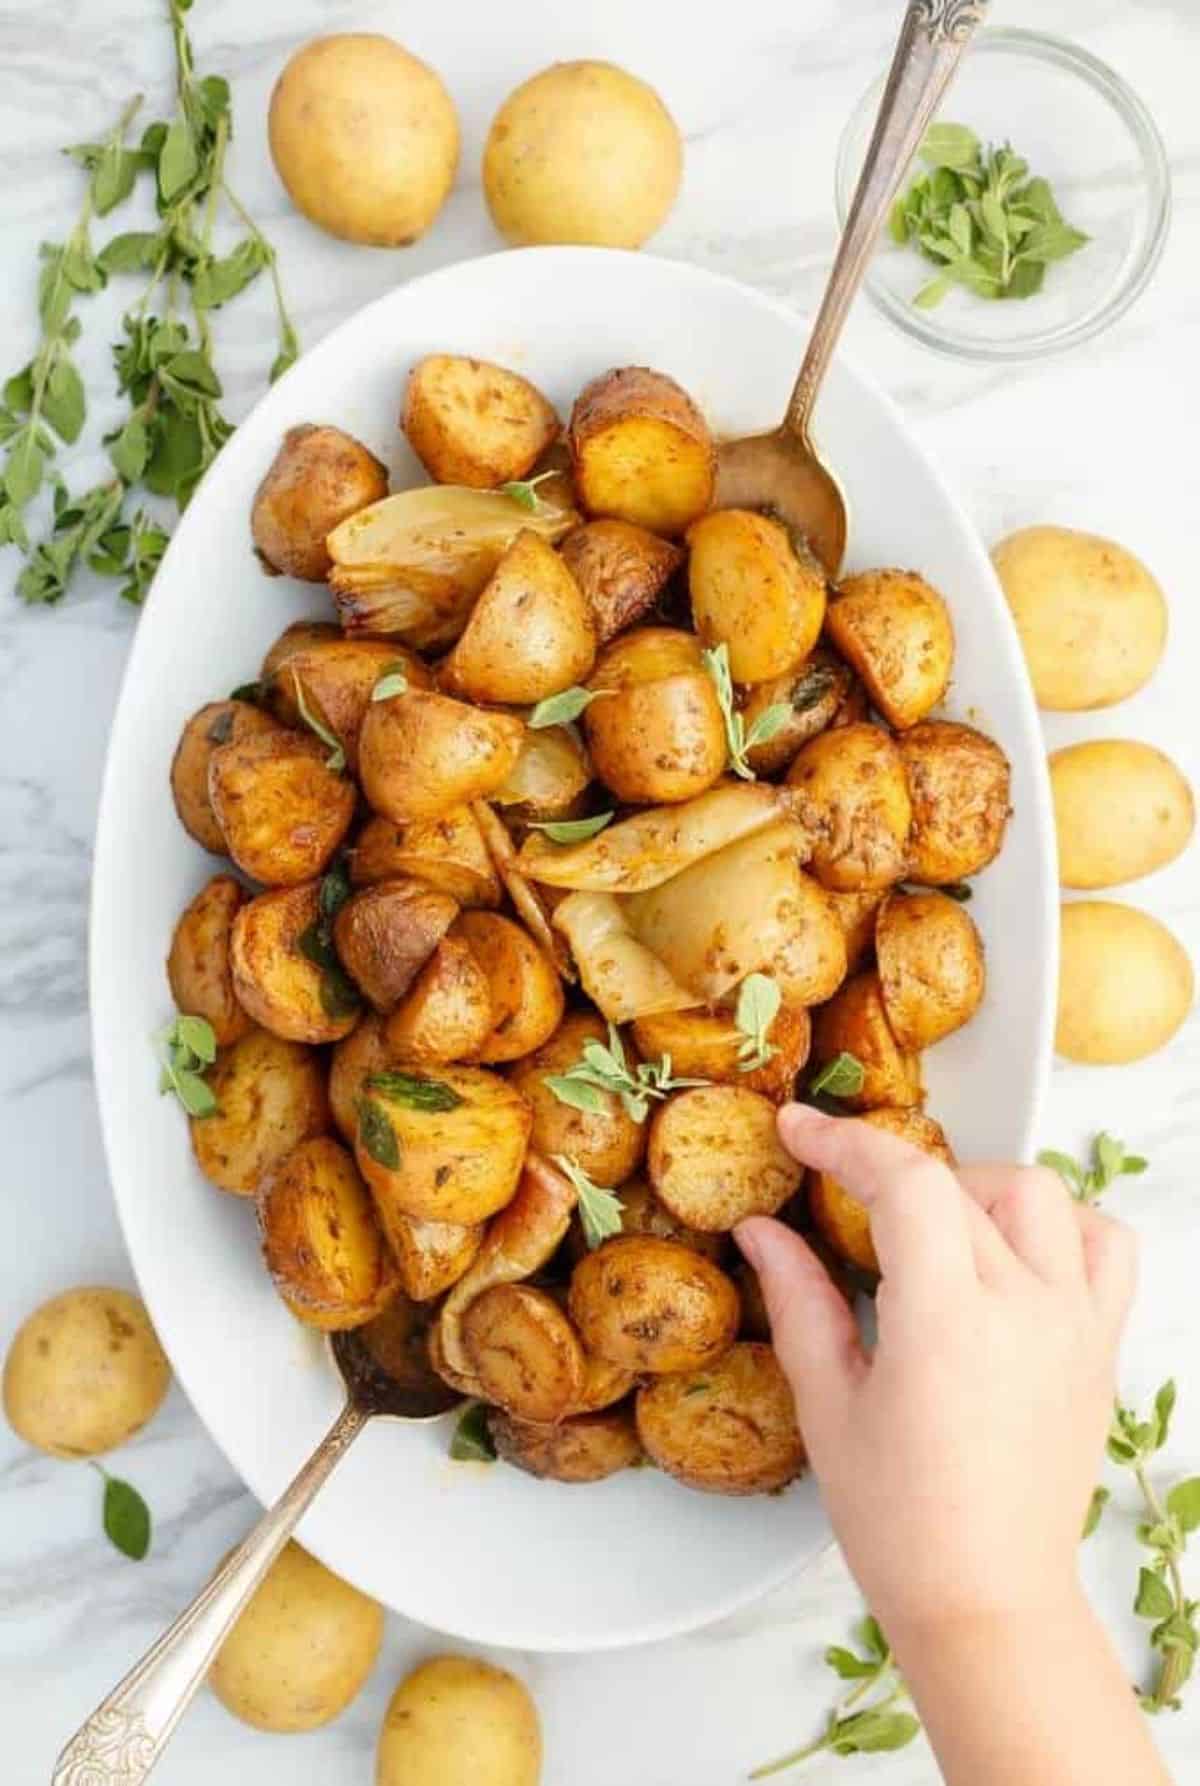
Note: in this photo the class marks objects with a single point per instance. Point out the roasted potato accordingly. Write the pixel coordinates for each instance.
(336, 678)
(855, 1022)
(755, 591)
(642, 1213)
(1125, 984)
(530, 633)
(444, 1148)
(815, 691)
(270, 1096)
(470, 422)
(959, 782)
(931, 970)
(218, 723)
(278, 975)
(1121, 810)
(894, 629)
(198, 968)
(856, 913)
(728, 1427)
(549, 778)
(448, 853)
(523, 1352)
(456, 1719)
(714, 1158)
(363, 1051)
(840, 1219)
(385, 933)
(282, 812)
(300, 636)
(397, 1342)
(606, 1143)
(447, 1014)
(431, 1256)
(422, 755)
(652, 1305)
(583, 1448)
(655, 732)
(604, 1383)
(706, 1044)
(621, 569)
(321, 1239)
(641, 451)
(84, 1372)
(854, 779)
(524, 988)
(318, 478)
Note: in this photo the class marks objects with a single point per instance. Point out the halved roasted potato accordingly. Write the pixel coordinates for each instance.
(321, 1239)
(728, 1428)
(641, 450)
(448, 853)
(523, 1352)
(854, 778)
(706, 1045)
(270, 1096)
(604, 1383)
(895, 629)
(363, 1051)
(282, 812)
(840, 1219)
(549, 778)
(523, 985)
(931, 969)
(621, 570)
(855, 1022)
(583, 1448)
(279, 975)
(319, 476)
(445, 1146)
(652, 1305)
(385, 933)
(217, 723)
(715, 1157)
(423, 755)
(754, 590)
(473, 423)
(959, 780)
(655, 732)
(336, 678)
(447, 1014)
(430, 1256)
(198, 968)
(814, 691)
(856, 912)
(530, 634)
(605, 1142)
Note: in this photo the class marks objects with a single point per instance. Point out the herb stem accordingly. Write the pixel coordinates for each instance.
(286, 326)
(822, 1743)
(1174, 1663)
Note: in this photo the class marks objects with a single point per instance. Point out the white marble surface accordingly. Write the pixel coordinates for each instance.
(1105, 439)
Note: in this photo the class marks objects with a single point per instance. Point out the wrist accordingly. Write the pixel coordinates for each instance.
(1044, 1623)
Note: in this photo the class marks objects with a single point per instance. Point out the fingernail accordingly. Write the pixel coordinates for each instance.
(797, 1119)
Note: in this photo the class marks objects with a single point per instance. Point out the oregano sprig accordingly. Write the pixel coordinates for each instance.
(601, 1213)
(188, 1047)
(759, 999)
(739, 738)
(605, 1069)
(1109, 1161)
(881, 1724)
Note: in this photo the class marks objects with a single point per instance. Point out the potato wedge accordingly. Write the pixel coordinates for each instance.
(282, 812)
(729, 1428)
(549, 778)
(321, 1239)
(652, 1305)
(714, 1158)
(218, 723)
(447, 1014)
(854, 777)
(363, 1051)
(448, 853)
(641, 450)
(431, 1256)
(895, 629)
(959, 782)
(755, 591)
(655, 732)
(525, 991)
(318, 478)
(445, 1148)
(931, 968)
(856, 913)
(840, 1219)
(385, 933)
(278, 975)
(422, 755)
(605, 1143)
(815, 691)
(621, 569)
(530, 634)
(705, 1045)
(473, 423)
(198, 968)
(523, 1352)
(584, 1448)
(855, 1022)
(336, 678)
(270, 1096)
(619, 974)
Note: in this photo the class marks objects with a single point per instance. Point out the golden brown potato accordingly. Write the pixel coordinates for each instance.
(1125, 984)
(642, 1213)
(198, 965)
(755, 591)
(283, 813)
(523, 1351)
(549, 778)
(815, 691)
(457, 1719)
(299, 636)
(398, 1342)
(959, 782)
(583, 1448)
(448, 853)
(1121, 810)
(641, 450)
(470, 422)
(715, 1158)
(270, 1096)
(530, 634)
(277, 974)
(423, 755)
(385, 934)
(856, 912)
(445, 1148)
(363, 1051)
(854, 777)
(218, 723)
(855, 1022)
(705, 1045)
(728, 1428)
(447, 1014)
(652, 1305)
(621, 569)
(337, 677)
(321, 1239)
(525, 991)
(606, 1144)
(840, 1219)
(318, 478)
(655, 731)
(84, 1372)
(431, 1256)
(931, 969)
(894, 629)
(603, 1382)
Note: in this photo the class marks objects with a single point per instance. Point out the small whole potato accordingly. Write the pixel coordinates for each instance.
(755, 592)
(895, 629)
(1091, 619)
(1125, 984)
(198, 969)
(931, 970)
(530, 633)
(218, 723)
(385, 933)
(301, 1650)
(319, 477)
(861, 813)
(337, 678)
(855, 1022)
(959, 782)
(422, 755)
(1121, 809)
(277, 974)
(457, 1719)
(475, 424)
(582, 152)
(270, 1095)
(652, 1305)
(448, 852)
(715, 1158)
(621, 569)
(840, 1219)
(321, 1240)
(524, 1352)
(655, 732)
(583, 1448)
(365, 138)
(301, 635)
(607, 1144)
(282, 811)
(84, 1373)
(728, 1429)
(431, 1256)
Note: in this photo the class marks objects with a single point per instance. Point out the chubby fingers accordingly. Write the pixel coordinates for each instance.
(813, 1329)
(1032, 1208)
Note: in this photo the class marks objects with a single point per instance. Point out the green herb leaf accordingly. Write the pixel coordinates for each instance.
(573, 830)
(768, 724)
(1109, 1161)
(950, 146)
(377, 1135)
(841, 1077)
(196, 1034)
(716, 662)
(289, 352)
(188, 1045)
(250, 692)
(1164, 1407)
(1095, 1513)
(63, 402)
(600, 1212)
(126, 1517)
(415, 1091)
(394, 681)
(1153, 1600)
(24, 468)
(216, 281)
(759, 999)
(524, 490)
(129, 449)
(177, 160)
(133, 252)
(603, 1069)
(336, 886)
(336, 760)
(472, 1441)
(1183, 1503)
(874, 1732)
(579, 1094)
(849, 1667)
(810, 687)
(561, 709)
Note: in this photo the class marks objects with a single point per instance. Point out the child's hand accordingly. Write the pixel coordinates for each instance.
(957, 1458)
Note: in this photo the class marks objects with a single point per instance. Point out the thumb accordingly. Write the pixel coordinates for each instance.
(815, 1335)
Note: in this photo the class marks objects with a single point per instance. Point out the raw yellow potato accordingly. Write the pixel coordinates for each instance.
(706, 1045)
(958, 780)
(1091, 618)
(523, 1352)
(198, 969)
(1122, 809)
(84, 1373)
(301, 1650)
(218, 723)
(729, 1429)
(715, 1158)
(856, 913)
(855, 1022)
(607, 1144)
(385, 933)
(365, 138)
(583, 1448)
(582, 152)
(524, 989)
(445, 1147)
(854, 778)
(641, 451)
(274, 975)
(653, 1305)
(1124, 984)
(457, 1719)
(530, 633)
(620, 975)
(473, 423)
(754, 591)
(621, 569)
(548, 779)
(655, 731)
(270, 1096)
(336, 678)
(447, 1015)
(321, 1239)
(422, 755)
(448, 853)
(283, 813)
(894, 629)
(363, 1051)
(430, 1256)
(318, 478)
(840, 1219)
(814, 691)
(931, 968)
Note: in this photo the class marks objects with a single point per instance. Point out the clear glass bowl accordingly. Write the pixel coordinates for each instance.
(1077, 123)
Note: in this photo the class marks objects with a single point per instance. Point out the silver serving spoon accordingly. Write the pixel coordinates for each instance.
(783, 470)
(384, 1368)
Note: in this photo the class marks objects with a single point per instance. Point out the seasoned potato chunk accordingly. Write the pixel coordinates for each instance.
(270, 1096)
(549, 778)
(448, 853)
(895, 629)
(318, 478)
(321, 1239)
(655, 731)
(386, 933)
(621, 569)
(447, 1015)
(523, 986)
(841, 1219)
(584, 1448)
(336, 678)
(855, 1022)
(706, 1044)
(278, 975)
(815, 691)
(283, 813)
(299, 636)
(218, 723)
(641, 450)
(473, 423)
(363, 1051)
(653, 1305)
(959, 780)
(755, 591)
(729, 1428)
(606, 1142)
(445, 1148)
(524, 1352)
(715, 1158)
(422, 755)
(431, 1256)
(855, 778)
(931, 970)
(198, 965)
(856, 913)
(530, 634)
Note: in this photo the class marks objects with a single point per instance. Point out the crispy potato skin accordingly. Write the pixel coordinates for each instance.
(274, 980)
(931, 967)
(459, 1165)
(840, 1219)
(583, 1448)
(422, 755)
(856, 913)
(705, 1044)
(524, 1352)
(270, 1096)
(447, 1014)
(297, 637)
(621, 569)
(530, 634)
(523, 986)
(1121, 810)
(729, 1429)
(363, 1051)
(282, 812)
(1125, 984)
(715, 1158)
(431, 1256)
(894, 629)
(470, 422)
(855, 1022)
(655, 734)
(448, 853)
(959, 781)
(218, 723)
(84, 1372)
(752, 592)
(641, 451)
(319, 477)
(855, 778)
(607, 1144)
(198, 970)
(652, 1305)
(337, 677)
(385, 933)
(815, 691)
(321, 1240)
